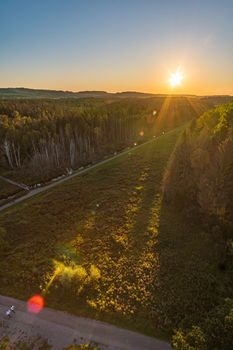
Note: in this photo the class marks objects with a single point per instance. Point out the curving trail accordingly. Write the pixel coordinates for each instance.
(23, 186)
(61, 329)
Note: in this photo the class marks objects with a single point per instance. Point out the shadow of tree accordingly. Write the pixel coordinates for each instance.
(189, 281)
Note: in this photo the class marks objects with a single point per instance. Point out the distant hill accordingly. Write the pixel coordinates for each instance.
(19, 93)
(33, 93)
(217, 99)
(25, 93)
(129, 94)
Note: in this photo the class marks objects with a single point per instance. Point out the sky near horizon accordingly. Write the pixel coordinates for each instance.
(117, 45)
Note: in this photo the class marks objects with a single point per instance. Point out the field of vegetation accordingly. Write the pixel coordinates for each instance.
(106, 245)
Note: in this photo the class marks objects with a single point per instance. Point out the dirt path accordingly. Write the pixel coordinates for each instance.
(35, 191)
(23, 186)
(61, 329)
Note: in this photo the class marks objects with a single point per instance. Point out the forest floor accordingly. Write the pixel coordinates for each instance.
(105, 245)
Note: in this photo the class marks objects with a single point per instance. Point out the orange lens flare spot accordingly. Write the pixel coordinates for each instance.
(35, 304)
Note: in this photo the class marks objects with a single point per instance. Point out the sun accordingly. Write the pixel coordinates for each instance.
(175, 79)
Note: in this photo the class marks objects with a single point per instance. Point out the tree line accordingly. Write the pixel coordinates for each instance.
(199, 182)
(199, 177)
(59, 134)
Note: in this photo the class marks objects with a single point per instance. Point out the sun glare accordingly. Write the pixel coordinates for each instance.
(175, 79)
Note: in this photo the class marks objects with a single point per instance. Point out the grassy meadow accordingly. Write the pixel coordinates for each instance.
(105, 245)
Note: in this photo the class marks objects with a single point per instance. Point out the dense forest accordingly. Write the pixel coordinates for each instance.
(44, 135)
(199, 181)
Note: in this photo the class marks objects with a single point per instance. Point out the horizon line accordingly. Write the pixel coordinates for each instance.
(111, 92)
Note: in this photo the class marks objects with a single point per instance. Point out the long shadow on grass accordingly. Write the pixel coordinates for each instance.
(150, 200)
(187, 277)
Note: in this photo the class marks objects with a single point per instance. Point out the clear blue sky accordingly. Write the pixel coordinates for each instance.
(117, 45)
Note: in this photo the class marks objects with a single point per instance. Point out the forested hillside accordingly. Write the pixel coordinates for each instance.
(25, 93)
(199, 181)
(49, 135)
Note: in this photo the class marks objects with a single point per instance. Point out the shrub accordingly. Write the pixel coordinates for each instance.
(193, 340)
(216, 331)
(94, 273)
(81, 347)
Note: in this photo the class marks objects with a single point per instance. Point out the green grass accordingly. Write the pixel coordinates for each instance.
(105, 245)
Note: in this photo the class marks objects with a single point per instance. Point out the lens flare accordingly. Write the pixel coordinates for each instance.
(35, 304)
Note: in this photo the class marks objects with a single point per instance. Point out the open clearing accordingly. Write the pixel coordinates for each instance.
(106, 246)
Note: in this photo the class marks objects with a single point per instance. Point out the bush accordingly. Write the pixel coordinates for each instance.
(94, 273)
(192, 340)
(216, 331)
(81, 347)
